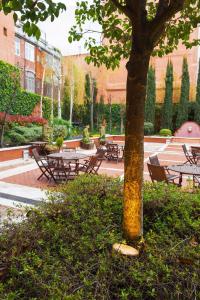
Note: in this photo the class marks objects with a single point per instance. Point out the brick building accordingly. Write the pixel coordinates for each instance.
(36, 59)
(7, 37)
(112, 84)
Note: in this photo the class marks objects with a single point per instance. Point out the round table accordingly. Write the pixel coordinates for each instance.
(69, 155)
(193, 170)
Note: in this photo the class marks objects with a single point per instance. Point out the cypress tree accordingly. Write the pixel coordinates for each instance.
(167, 109)
(182, 115)
(197, 106)
(150, 96)
(66, 100)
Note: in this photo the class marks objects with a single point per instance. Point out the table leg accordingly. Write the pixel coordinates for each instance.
(180, 179)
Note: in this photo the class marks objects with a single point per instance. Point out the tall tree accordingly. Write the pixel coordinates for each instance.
(167, 109)
(147, 27)
(182, 115)
(151, 96)
(197, 106)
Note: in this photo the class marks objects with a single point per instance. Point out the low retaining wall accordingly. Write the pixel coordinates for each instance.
(17, 152)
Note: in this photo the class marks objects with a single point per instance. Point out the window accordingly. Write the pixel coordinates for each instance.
(29, 52)
(30, 81)
(17, 46)
(5, 31)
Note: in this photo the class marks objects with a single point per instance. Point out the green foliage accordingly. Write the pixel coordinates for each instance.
(59, 142)
(59, 131)
(46, 106)
(197, 105)
(165, 132)
(118, 32)
(65, 246)
(151, 96)
(167, 109)
(19, 135)
(31, 12)
(148, 128)
(57, 121)
(182, 115)
(66, 100)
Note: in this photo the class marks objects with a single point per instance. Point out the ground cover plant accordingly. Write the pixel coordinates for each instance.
(63, 249)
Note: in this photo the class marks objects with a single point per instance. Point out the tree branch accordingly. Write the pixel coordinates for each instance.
(165, 11)
(122, 8)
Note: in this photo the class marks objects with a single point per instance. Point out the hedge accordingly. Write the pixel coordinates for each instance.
(16, 100)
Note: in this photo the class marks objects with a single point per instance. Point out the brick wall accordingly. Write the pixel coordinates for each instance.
(7, 38)
(113, 83)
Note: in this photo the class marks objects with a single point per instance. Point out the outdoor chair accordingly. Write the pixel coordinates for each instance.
(62, 170)
(188, 155)
(43, 165)
(101, 152)
(91, 166)
(196, 154)
(155, 161)
(113, 152)
(159, 174)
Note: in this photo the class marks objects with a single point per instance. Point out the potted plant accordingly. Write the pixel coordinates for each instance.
(102, 138)
(59, 142)
(86, 143)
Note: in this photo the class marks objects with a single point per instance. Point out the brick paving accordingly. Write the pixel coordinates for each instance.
(168, 155)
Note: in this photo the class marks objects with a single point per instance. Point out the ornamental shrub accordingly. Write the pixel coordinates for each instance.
(148, 128)
(59, 131)
(167, 109)
(150, 96)
(64, 247)
(19, 135)
(165, 132)
(182, 115)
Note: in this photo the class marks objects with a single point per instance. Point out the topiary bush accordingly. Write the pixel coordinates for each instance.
(148, 128)
(63, 248)
(165, 132)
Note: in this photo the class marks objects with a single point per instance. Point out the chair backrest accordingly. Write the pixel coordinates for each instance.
(185, 150)
(100, 152)
(93, 164)
(112, 147)
(195, 151)
(36, 154)
(157, 173)
(154, 160)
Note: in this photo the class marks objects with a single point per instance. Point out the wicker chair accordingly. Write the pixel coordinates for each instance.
(113, 152)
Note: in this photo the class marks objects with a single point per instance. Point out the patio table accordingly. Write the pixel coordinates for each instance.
(69, 155)
(193, 170)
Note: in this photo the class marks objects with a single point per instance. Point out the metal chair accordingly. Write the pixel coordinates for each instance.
(188, 155)
(90, 166)
(158, 173)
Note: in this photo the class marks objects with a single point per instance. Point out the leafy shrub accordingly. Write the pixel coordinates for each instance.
(16, 138)
(22, 120)
(23, 135)
(59, 131)
(59, 142)
(165, 132)
(63, 248)
(148, 128)
(57, 121)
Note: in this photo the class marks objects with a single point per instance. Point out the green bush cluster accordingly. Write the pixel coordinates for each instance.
(148, 128)
(59, 131)
(165, 132)
(19, 135)
(64, 248)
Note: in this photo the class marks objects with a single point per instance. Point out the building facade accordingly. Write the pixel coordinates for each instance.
(7, 38)
(112, 84)
(38, 61)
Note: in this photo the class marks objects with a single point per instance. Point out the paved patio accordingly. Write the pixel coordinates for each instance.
(19, 184)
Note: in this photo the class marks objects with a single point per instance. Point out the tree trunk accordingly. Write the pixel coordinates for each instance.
(134, 144)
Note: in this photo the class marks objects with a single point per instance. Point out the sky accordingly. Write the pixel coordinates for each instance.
(57, 31)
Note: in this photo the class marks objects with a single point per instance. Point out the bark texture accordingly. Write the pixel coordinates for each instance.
(134, 144)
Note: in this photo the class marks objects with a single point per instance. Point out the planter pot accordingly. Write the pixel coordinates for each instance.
(86, 146)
